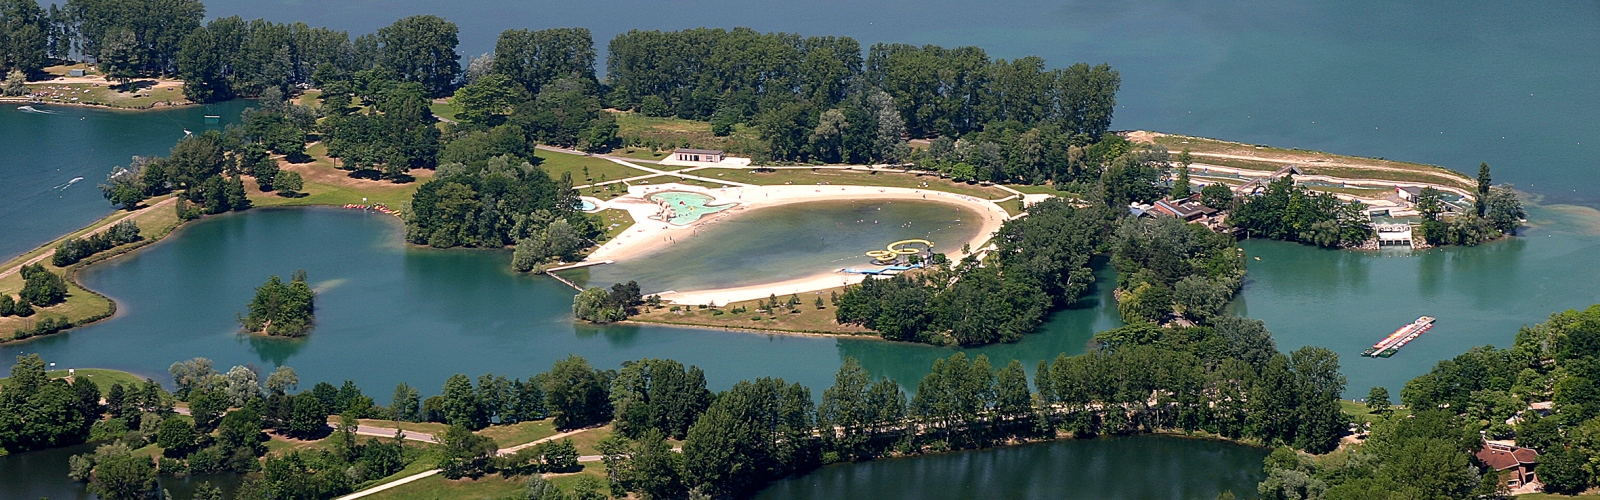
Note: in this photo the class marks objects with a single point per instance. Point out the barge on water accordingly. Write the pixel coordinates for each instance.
(1392, 344)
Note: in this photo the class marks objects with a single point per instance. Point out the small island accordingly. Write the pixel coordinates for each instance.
(281, 310)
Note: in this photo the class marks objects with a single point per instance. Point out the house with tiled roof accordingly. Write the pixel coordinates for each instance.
(1508, 457)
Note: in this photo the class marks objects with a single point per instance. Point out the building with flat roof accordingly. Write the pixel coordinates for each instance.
(698, 155)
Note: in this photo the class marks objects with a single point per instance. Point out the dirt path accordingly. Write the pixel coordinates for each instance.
(51, 252)
(424, 474)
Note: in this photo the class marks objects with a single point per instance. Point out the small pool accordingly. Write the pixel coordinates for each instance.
(687, 207)
(586, 206)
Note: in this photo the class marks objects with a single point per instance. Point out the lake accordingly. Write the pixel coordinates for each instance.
(1433, 81)
(1135, 467)
(42, 151)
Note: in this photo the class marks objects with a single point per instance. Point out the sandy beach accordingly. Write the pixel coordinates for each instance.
(649, 235)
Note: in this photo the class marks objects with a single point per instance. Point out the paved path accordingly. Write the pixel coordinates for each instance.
(420, 475)
(367, 430)
(51, 252)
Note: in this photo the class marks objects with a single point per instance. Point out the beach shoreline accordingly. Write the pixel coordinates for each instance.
(649, 234)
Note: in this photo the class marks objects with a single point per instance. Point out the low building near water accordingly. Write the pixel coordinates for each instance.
(702, 157)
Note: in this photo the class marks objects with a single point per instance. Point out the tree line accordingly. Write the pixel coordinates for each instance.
(1227, 379)
(1294, 213)
(75, 249)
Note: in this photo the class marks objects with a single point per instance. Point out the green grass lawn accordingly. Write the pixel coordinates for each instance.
(1359, 413)
(101, 377)
(614, 222)
(525, 432)
(807, 319)
(325, 184)
(444, 109)
(643, 154)
(1309, 160)
(853, 178)
(433, 428)
(145, 95)
(598, 169)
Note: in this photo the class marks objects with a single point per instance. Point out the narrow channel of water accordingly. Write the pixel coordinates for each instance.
(1135, 467)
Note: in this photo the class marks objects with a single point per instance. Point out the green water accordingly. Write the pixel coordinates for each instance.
(41, 152)
(787, 242)
(43, 474)
(1346, 300)
(1138, 467)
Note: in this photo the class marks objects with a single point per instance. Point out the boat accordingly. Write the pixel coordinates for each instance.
(1392, 344)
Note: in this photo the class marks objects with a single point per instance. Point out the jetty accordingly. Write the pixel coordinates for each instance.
(1392, 344)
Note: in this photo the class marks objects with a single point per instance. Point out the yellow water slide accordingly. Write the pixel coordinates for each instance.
(895, 249)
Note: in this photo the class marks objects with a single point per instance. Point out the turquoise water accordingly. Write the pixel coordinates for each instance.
(1435, 81)
(786, 242)
(688, 207)
(586, 206)
(42, 152)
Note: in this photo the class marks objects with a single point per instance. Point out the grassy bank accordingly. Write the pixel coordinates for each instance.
(102, 378)
(584, 169)
(852, 178)
(1267, 158)
(806, 318)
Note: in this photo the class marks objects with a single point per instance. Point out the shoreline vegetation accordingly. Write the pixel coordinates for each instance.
(328, 186)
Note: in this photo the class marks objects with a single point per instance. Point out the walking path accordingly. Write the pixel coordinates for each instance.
(51, 252)
(424, 474)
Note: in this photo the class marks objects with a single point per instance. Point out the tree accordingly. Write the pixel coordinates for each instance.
(1484, 181)
(1217, 196)
(1563, 471)
(465, 454)
(176, 438)
(120, 58)
(1378, 400)
(488, 100)
(41, 287)
(593, 305)
(123, 476)
(534, 58)
(461, 405)
(280, 309)
(14, 84)
(242, 386)
(309, 418)
(406, 405)
(1503, 208)
(421, 49)
(578, 395)
(207, 406)
(287, 182)
(282, 380)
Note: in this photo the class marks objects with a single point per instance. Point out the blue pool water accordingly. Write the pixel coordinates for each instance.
(687, 207)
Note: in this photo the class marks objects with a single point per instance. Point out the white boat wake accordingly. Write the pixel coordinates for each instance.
(31, 109)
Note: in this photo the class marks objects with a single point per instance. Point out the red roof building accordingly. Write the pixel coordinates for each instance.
(1517, 460)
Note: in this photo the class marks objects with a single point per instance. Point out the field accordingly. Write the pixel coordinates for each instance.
(1266, 158)
(584, 169)
(806, 318)
(325, 184)
(101, 377)
(525, 432)
(854, 178)
(95, 90)
(614, 222)
(670, 133)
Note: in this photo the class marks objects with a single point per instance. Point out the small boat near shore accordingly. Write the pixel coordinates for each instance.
(1392, 344)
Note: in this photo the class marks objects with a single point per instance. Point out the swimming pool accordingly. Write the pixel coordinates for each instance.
(687, 207)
